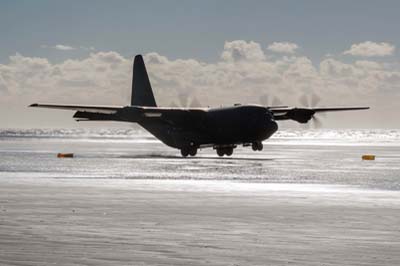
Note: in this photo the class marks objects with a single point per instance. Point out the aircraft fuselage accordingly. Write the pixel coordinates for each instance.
(198, 127)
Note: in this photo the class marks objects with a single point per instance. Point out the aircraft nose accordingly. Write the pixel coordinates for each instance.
(274, 126)
(271, 128)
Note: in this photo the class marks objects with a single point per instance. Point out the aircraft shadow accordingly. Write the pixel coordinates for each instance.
(164, 156)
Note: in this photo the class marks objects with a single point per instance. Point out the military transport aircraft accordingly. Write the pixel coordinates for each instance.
(190, 129)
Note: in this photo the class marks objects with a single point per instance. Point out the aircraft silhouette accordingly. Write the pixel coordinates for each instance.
(189, 129)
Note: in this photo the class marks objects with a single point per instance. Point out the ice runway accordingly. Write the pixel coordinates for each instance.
(314, 159)
(161, 222)
(133, 201)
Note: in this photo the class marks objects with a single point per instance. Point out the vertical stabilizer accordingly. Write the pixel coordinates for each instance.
(142, 94)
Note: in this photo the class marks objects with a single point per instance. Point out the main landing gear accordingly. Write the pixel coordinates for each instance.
(221, 151)
(257, 146)
(192, 151)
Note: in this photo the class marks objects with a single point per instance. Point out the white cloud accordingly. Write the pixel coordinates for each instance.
(368, 64)
(60, 47)
(63, 47)
(97, 77)
(3, 86)
(333, 68)
(283, 47)
(242, 75)
(155, 58)
(242, 51)
(90, 48)
(369, 49)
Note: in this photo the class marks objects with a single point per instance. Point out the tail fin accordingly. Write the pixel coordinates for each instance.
(142, 94)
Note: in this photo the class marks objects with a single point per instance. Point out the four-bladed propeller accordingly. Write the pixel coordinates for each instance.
(311, 101)
(270, 102)
(186, 101)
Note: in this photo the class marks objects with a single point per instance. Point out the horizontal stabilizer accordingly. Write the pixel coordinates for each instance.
(82, 108)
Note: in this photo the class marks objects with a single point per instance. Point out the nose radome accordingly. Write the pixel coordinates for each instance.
(274, 126)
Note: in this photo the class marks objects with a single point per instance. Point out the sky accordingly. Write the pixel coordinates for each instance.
(217, 52)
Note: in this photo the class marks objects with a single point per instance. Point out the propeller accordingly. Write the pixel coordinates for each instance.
(195, 103)
(183, 99)
(269, 102)
(186, 101)
(173, 104)
(310, 101)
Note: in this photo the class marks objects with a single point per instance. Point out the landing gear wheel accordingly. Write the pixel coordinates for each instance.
(229, 151)
(257, 146)
(193, 151)
(254, 146)
(260, 146)
(220, 152)
(184, 152)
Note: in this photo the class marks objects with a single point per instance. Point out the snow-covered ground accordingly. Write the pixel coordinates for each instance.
(126, 199)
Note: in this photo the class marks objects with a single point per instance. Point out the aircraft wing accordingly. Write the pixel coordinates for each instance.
(303, 115)
(278, 110)
(81, 108)
(175, 116)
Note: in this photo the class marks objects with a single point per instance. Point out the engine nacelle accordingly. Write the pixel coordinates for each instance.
(300, 115)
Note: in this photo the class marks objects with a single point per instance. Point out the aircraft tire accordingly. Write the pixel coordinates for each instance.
(260, 146)
(229, 151)
(254, 146)
(184, 152)
(257, 146)
(220, 152)
(193, 151)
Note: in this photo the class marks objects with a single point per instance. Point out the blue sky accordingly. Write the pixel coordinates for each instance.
(185, 29)
(221, 52)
